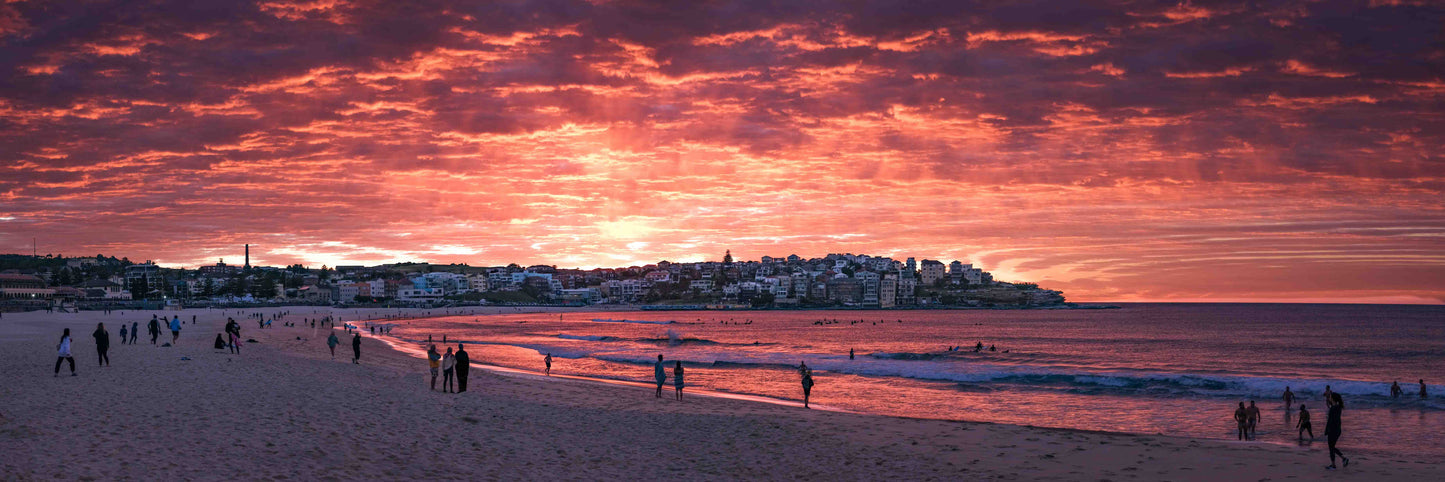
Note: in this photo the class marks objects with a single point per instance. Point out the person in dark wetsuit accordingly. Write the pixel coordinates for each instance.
(1395, 390)
(1241, 417)
(1333, 429)
(1304, 424)
(1423, 395)
(1288, 398)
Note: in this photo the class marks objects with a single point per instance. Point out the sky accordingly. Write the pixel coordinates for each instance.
(1120, 151)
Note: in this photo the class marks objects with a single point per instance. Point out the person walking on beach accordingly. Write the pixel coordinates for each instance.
(1253, 413)
(659, 371)
(356, 349)
(464, 365)
(1333, 429)
(155, 329)
(134, 332)
(102, 344)
(807, 374)
(1241, 417)
(1288, 398)
(331, 342)
(123, 333)
(1395, 390)
(63, 350)
(1304, 424)
(548, 361)
(677, 378)
(175, 330)
(434, 363)
(449, 365)
(233, 336)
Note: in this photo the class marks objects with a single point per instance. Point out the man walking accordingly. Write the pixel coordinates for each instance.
(464, 364)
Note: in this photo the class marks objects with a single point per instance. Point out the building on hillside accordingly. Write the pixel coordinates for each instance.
(930, 271)
(24, 287)
(888, 291)
(146, 278)
(907, 286)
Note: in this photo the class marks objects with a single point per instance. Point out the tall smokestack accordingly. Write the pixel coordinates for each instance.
(248, 257)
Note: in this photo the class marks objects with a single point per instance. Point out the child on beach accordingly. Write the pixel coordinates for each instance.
(677, 378)
(64, 351)
(433, 360)
(1304, 424)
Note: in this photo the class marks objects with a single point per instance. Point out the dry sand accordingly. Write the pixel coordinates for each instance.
(283, 409)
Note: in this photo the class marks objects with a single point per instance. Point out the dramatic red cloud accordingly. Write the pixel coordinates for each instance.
(1115, 150)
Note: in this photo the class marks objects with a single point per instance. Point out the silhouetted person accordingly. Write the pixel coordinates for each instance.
(134, 332)
(356, 348)
(1288, 398)
(1333, 429)
(1395, 390)
(102, 344)
(659, 371)
(548, 362)
(63, 350)
(1241, 417)
(1253, 413)
(220, 343)
(155, 329)
(1304, 424)
(464, 365)
(677, 378)
(1423, 394)
(850, 353)
(1329, 396)
(807, 382)
(123, 333)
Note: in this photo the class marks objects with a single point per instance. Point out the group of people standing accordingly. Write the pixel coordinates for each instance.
(659, 372)
(451, 365)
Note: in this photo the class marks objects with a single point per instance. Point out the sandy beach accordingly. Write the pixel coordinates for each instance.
(284, 409)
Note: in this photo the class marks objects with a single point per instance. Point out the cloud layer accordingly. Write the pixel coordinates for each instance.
(1117, 150)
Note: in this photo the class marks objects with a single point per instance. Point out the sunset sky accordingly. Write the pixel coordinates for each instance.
(1192, 151)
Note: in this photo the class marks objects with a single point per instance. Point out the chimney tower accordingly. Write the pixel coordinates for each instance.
(248, 257)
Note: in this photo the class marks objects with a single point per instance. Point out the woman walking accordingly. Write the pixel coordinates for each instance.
(449, 365)
(64, 351)
(1333, 429)
(331, 343)
(807, 382)
(677, 378)
(102, 344)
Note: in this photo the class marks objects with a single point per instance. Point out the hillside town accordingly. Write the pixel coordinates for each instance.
(832, 281)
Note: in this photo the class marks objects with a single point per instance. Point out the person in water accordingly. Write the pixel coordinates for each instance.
(677, 378)
(464, 365)
(434, 363)
(1241, 418)
(1253, 413)
(807, 374)
(548, 362)
(1288, 398)
(1333, 429)
(1329, 396)
(102, 344)
(659, 371)
(1304, 424)
(1423, 394)
(850, 353)
(63, 350)
(331, 342)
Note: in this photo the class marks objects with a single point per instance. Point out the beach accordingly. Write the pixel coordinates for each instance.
(284, 409)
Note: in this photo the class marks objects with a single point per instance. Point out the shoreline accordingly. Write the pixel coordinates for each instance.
(313, 417)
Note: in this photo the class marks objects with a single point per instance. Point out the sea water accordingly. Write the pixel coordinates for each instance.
(1172, 369)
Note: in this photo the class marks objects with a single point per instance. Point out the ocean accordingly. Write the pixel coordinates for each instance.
(1171, 369)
